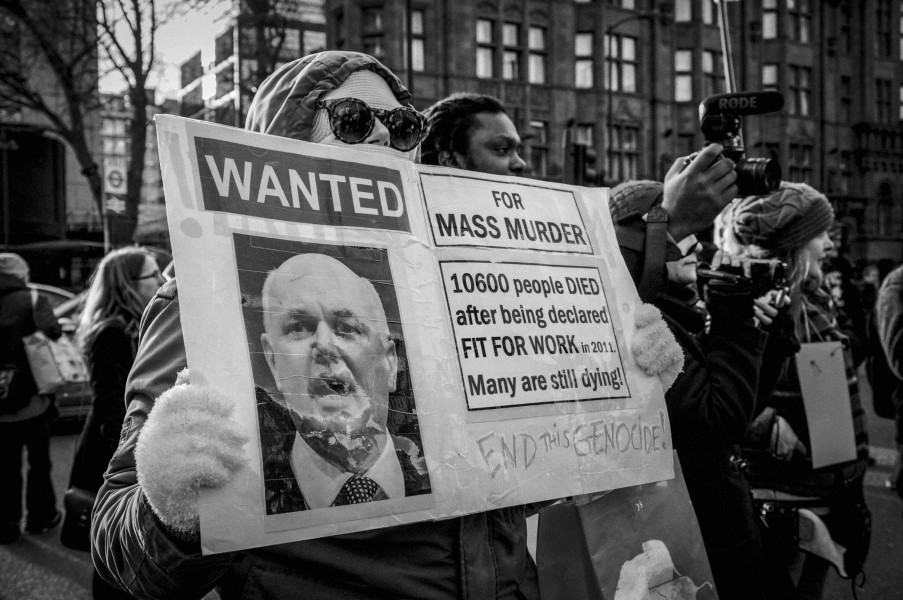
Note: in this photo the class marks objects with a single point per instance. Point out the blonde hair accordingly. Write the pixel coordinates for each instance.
(112, 293)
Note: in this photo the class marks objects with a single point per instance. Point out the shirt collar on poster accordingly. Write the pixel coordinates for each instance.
(321, 481)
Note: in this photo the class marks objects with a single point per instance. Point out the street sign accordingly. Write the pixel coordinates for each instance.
(114, 175)
(114, 203)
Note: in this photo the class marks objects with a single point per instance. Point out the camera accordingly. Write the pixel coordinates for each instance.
(719, 119)
(765, 274)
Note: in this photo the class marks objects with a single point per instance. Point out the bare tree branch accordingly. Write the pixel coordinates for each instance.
(63, 38)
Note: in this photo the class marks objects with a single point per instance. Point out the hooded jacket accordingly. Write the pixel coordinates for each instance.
(477, 556)
(18, 393)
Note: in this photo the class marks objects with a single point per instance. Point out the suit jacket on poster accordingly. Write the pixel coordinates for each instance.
(277, 436)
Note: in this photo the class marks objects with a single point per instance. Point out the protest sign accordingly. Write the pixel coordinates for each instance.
(460, 340)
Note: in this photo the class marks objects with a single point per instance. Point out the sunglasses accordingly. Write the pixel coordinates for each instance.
(352, 121)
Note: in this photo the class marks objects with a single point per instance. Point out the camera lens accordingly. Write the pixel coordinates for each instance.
(758, 176)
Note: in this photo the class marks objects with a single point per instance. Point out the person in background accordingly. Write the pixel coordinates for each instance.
(25, 415)
(889, 324)
(792, 224)
(119, 290)
(712, 403)
(472, 132)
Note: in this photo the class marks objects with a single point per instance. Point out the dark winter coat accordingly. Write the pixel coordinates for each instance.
(710, 406)
(17, 319)
(110, 354)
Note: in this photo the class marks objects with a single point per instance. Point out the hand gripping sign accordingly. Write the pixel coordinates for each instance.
(400, 342)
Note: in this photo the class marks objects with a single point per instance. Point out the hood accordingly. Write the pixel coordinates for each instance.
(284, 103)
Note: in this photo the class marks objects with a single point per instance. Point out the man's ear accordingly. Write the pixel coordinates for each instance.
(455, 160)
(270, 356)
(392, 364)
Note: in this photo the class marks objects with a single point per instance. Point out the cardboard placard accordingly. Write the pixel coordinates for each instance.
(476, 327)
(826, 396)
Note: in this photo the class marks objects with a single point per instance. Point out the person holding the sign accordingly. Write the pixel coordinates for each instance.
(146, 531)
(326, 341)
(791, 224)
(25, 415)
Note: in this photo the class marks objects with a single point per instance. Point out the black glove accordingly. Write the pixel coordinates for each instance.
(782, 338)
(728, 302)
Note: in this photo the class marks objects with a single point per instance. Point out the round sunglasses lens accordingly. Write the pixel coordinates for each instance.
(405, 128)
(351, 121)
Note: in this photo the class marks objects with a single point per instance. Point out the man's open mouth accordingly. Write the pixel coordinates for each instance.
(327, 384)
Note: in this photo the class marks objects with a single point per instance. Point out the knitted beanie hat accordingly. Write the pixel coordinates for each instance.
(13, 264)
(634, 197)
(786, 219)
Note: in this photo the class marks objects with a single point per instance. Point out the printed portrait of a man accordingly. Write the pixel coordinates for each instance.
(336, 413)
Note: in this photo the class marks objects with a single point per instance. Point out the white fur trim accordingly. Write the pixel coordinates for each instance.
(654, 347)
(189, 441)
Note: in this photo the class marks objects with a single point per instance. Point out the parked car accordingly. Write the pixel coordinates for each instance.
(73, 401)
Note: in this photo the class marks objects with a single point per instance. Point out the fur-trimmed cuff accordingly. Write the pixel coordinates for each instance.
(189, 441)
(654, 347)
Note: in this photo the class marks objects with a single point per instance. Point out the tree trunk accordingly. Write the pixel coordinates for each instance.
(123, 232)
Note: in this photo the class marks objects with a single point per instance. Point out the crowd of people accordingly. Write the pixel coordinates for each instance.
(723, 348)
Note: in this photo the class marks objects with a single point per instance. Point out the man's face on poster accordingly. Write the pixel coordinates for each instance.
(327, 345)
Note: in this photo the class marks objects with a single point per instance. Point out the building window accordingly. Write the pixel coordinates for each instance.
(882, 28)
(585, 133)
(683, 76)
(510, 51)
(418, 41)
(901, 31)
(882, 100)
(536, 44)
(770, 76)
(800, 91)
(683, 11)
(622, 154)
(539, 148)
(620, 63)
(628, 4)
(800, 163)
(583, 64)
(314, 41)
(686, 144)
(372, 32)
(800, 15)
(713, 80)
(708, 12)
(846, 99)
(769, 19)
(846, 31)
(484, 48)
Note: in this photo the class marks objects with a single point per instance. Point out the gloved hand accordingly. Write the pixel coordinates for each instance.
(729, 302)
(189, 441)
(654, 348)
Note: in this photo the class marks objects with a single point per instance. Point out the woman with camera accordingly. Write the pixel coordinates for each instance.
(791, 224)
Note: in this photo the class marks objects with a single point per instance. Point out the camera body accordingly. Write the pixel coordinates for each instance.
(765, 274)
(719, 119)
